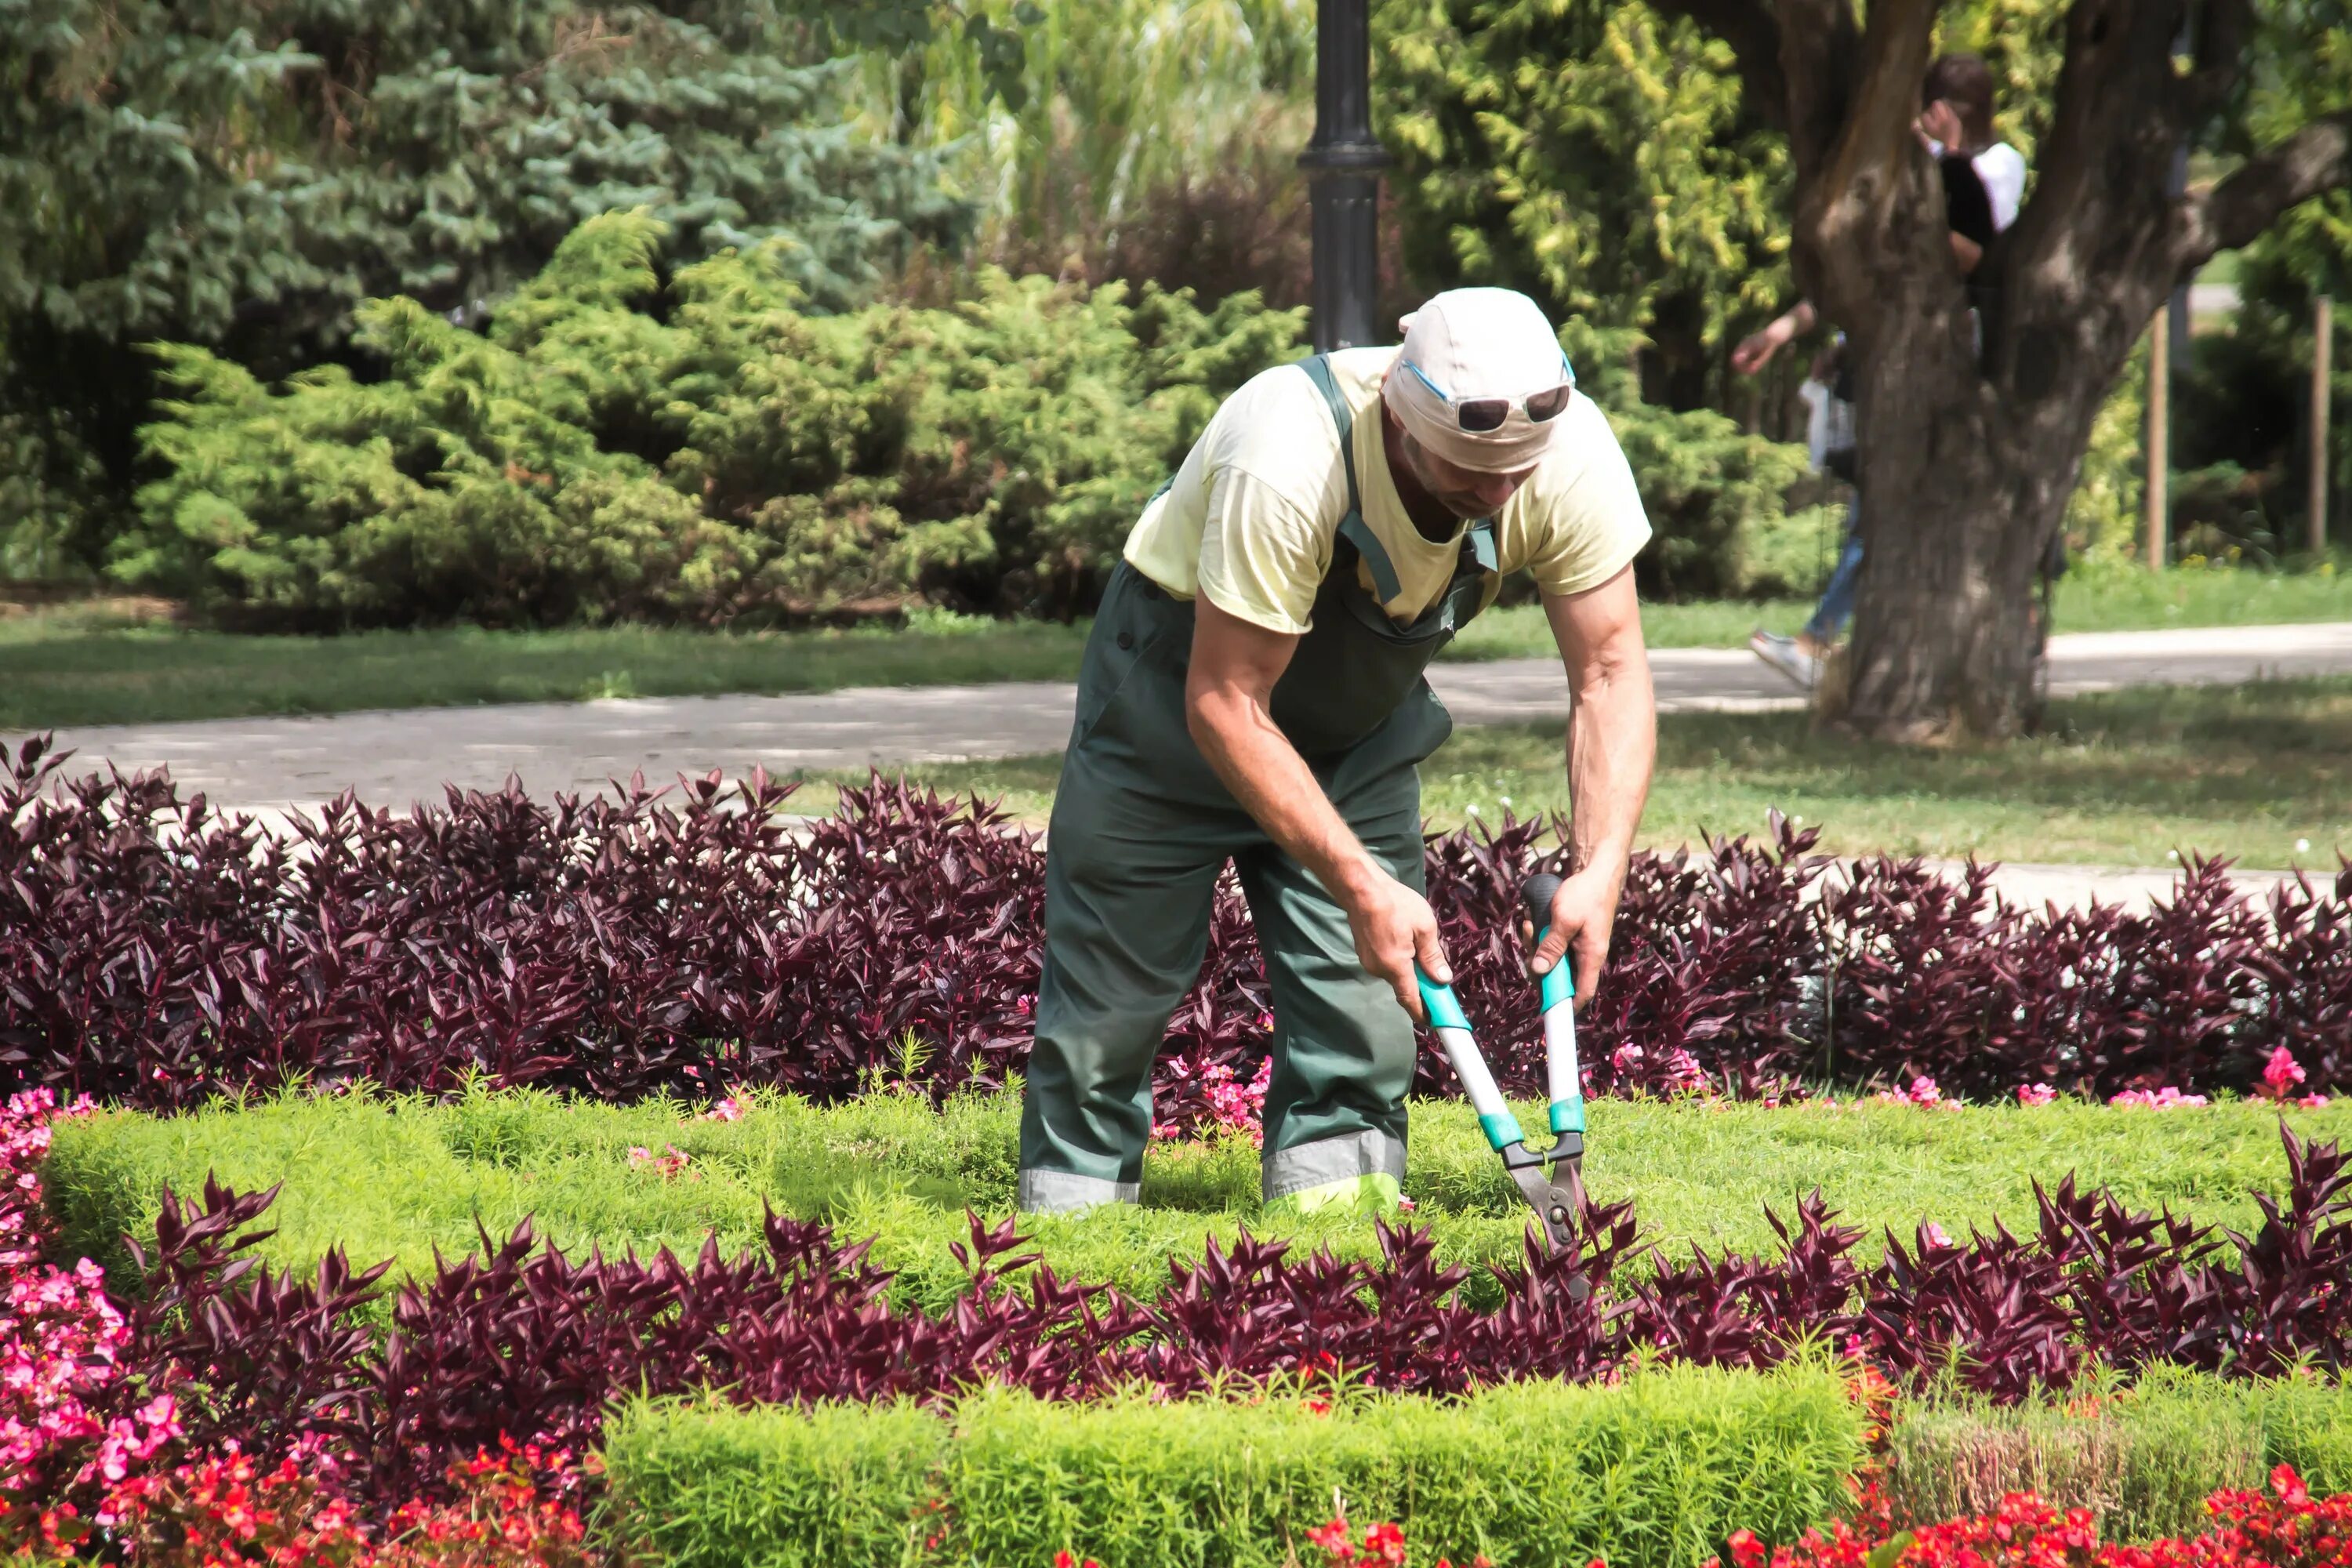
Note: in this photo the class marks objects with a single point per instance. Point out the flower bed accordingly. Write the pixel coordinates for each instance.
(231, 1409)
(519, 1340)
(2140, 1459)
(2285, 1528)
(157, 955)
(111, 1445)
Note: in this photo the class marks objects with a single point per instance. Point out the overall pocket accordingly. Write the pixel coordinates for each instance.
(1135, 618)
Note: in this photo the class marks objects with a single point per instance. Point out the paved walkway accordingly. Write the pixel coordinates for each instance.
(405, 755)
(402, 756)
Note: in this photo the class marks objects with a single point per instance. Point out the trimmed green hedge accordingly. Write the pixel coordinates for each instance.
(1651, 1473)
(398, 1178)
(2143, 1459)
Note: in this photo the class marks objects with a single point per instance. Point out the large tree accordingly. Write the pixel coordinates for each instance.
(1971, 446)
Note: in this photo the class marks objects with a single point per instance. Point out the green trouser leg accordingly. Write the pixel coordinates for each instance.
(1130, 882)
(1139, 832)
(1343, 1050)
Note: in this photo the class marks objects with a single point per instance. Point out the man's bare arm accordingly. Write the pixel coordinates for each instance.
(1612, 744)
(1227, 697)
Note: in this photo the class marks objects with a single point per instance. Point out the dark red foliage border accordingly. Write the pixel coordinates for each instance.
(156, 953)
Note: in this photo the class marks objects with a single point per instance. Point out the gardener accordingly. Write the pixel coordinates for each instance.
(1253, 691)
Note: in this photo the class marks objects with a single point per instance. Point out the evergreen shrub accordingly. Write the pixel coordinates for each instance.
(1652, 1473)
(403, 1178)
(701, 448)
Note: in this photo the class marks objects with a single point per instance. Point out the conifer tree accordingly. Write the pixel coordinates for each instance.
(240, 175)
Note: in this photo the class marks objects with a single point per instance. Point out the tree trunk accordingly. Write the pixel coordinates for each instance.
(1972, 432)
(1959, 512)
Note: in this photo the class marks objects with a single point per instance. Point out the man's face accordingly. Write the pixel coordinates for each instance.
(1467, 493)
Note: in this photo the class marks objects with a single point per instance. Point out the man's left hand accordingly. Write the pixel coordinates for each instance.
(1583, 913)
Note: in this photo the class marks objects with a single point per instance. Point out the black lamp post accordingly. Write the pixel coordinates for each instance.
(1343, 165)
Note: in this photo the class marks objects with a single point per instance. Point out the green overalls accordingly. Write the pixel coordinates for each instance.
(1141, 827)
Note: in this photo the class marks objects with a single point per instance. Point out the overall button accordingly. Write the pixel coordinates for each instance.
(1127, 640)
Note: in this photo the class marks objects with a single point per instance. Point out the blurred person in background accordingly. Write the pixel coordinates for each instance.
(1984, 184)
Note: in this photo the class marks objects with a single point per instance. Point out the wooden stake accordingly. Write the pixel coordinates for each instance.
(2321, 335)
(2159, 428)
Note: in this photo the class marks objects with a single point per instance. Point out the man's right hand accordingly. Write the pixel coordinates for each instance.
(1395, 929)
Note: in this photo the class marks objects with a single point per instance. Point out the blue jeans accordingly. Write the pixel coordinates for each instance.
(1836, 608)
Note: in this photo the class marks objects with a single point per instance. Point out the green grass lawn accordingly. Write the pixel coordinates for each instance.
(71, 668)
(116, 662)
(399, 1179)
(2260, 772)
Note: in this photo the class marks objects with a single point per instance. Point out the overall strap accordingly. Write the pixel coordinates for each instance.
(1352, 527)
(1480, 541)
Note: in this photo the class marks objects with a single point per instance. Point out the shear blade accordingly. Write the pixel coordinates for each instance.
(1555, 1205)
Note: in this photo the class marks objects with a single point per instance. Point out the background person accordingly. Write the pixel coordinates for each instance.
(1984, 184)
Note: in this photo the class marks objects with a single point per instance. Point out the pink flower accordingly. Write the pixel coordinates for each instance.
(1923, 1094)
(2312, 1101)
(2035, 1094)
(2165, 1098)
(727, 1109)
(2283, 1072)
(667, 1164)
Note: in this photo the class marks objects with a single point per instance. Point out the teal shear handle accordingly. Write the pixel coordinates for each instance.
(1452, 1028)
(1557, 1198)
(1562, 1078)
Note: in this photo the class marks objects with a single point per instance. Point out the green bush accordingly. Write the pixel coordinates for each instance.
(1651, 1473)
(2143, 1459)
(241, 175)
(1598, 156)
(617, 447)
(401, 1178)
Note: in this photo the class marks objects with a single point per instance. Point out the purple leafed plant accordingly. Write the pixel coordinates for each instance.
(156, 953)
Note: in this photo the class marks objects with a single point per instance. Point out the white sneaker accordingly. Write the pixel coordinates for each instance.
(1783, 655)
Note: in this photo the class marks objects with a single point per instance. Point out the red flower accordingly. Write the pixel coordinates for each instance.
(1334, 1539)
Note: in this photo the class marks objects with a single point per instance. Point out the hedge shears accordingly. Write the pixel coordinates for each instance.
(1559, 1198)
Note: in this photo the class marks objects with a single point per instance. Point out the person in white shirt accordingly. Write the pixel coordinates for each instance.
(1984, 185)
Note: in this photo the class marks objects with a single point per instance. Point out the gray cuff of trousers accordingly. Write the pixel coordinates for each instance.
(1365, 1153)
(1059, 1191)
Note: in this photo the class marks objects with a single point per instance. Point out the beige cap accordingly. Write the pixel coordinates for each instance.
(1471, 343)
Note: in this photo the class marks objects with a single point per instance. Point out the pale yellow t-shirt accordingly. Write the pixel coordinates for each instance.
(1252, 515)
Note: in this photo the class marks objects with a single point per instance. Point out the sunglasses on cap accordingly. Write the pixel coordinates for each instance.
(1478, 415)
